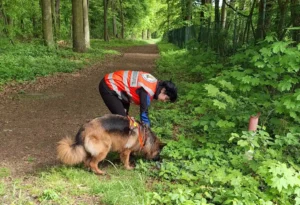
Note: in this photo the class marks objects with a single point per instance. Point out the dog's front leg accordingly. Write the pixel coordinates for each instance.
(124, 156)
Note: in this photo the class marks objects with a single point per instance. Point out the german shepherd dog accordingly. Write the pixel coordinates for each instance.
(109, 133)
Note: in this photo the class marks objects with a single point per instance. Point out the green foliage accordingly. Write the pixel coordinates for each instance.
(24, 62)
(210, 158)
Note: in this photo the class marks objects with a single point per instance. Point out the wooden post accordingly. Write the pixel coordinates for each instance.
(253, 122)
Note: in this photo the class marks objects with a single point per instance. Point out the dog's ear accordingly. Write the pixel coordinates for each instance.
(162, 144)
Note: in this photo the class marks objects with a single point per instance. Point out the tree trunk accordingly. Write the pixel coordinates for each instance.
(122, 20)
(264, 18)
(57, 14)
(54, 19)
(218, 44)
(78, 29)
(113, 7)
(105, 6)
(47, 23)
(295, 14)
(86, 23)
(143, 34)
(148, 34)
(35, 30)
(260, 33)
(281, 16)
(168, 15)
(203, 2)
(223, 15)
(189, 8)
(6, 22)
(217, 14)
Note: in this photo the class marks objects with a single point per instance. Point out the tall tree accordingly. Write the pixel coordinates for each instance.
(148, 34)
(47, 23)
(34, 19)
(122, 19)
(217, 15)
(188, 7)
(264, 18)
(223, 15)
(57, 20)
(295, 15)
(53, 2)
(113, 10)
(105, 7)
(86, 24)
(281, 18)
(78, 26)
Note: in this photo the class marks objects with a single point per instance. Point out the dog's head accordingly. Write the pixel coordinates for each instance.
(153, 145)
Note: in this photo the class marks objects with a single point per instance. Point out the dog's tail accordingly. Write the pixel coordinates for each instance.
(69, 152)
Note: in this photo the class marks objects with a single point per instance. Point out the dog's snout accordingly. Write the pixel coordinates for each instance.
(156, 158)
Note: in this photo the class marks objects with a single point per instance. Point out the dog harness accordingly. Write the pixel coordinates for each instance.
(142, 135)
(129, 82)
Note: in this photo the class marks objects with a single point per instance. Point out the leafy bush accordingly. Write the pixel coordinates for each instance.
(210, 158)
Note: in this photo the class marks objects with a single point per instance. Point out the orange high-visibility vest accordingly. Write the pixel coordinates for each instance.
(130, 81)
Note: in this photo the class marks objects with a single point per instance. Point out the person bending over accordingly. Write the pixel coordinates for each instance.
(120, 88)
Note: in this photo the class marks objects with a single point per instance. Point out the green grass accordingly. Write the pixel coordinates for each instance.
(75, 185)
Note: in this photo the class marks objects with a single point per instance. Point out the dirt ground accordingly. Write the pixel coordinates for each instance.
(35, 116)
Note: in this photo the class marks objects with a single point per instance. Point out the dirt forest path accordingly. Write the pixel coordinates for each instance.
(36, 117)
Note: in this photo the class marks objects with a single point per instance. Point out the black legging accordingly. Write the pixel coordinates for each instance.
(111, 100)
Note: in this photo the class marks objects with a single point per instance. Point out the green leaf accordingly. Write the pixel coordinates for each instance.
(225, 124)
(226, 84)
(289, 104)
(211, 89)
(200, 110)
(219, 104)
(279, 47)
(285, 84)
(279, 183)
(297, 94)
(266, 52)
(243, 143)
(282, 176)
(228, 98)
(260, 64)
(269, 39)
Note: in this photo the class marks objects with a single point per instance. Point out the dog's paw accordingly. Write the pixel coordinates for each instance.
(129, 167)
(98, 172)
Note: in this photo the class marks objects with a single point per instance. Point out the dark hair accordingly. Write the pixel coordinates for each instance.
(171, 89)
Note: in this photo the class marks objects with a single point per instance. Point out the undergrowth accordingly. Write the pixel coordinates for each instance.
(210, 157)
(26, 61)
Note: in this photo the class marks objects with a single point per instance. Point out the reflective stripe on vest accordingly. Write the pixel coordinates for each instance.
(125, 81)
(112, 83)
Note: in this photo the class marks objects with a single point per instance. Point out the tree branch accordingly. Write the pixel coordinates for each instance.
(235, 10)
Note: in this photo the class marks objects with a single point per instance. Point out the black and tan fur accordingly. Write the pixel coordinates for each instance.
(110, 133)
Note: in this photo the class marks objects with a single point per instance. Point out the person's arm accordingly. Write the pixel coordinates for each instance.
(144, 105)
